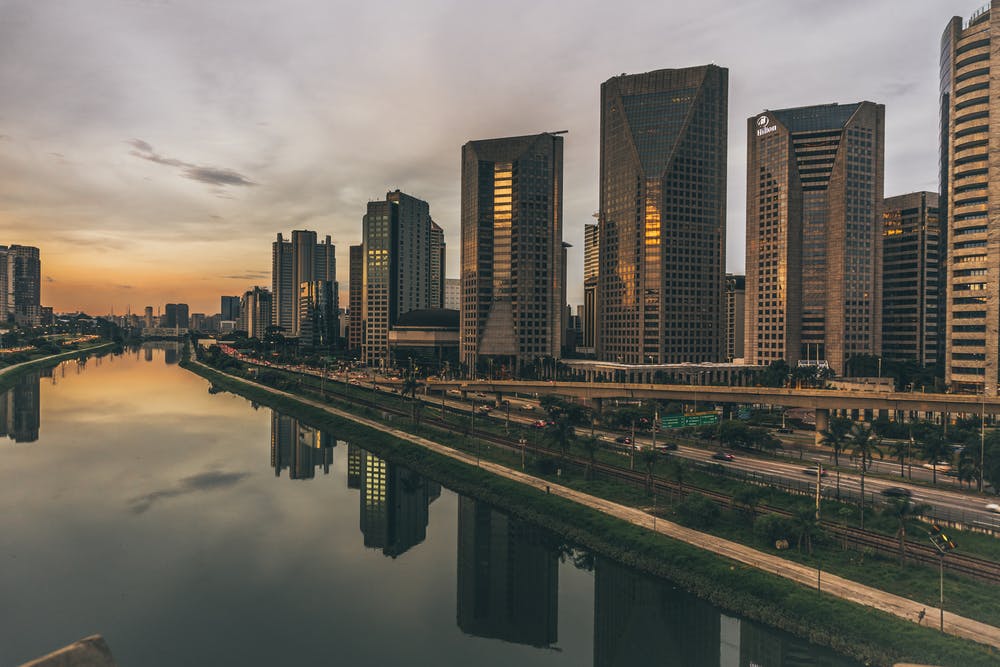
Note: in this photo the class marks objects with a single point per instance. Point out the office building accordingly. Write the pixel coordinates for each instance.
(735, 316)
(397, 268)
(256, 308)
(970, 201)
(662, 216)
(513, 271)
(169, 318)
(910, 277)
(355, 297)
(437, 266)
(147, 319)
(591, 271)
(298, 448)
(318, 314)
(814, 234)
(453, 293)
(230, 308)
(293, 262)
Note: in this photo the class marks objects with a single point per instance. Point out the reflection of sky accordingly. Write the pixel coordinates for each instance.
(148, 511)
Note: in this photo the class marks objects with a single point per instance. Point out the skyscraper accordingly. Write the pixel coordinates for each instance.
(663, 216)
(814, 234)
(397, 267)
(437, 266)
(513, 274)
(318, 314)
(970, 200)
(356, 298)
(294, 262)
(910, 277)
(453, 293)
(230, 308)
(591, 272)
(23, 285)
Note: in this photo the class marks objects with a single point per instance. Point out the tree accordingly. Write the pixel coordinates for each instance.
(901, 509)
(775, 375)
(864, 444)
(806, 526)
(648, 458)
(679, 472)
(836, 436)
(590, 446)
(748, 497)
(934, 448)
(410, 386)
(561, 433)
(898, 450)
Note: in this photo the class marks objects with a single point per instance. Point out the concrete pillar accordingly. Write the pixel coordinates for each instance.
(822, 423)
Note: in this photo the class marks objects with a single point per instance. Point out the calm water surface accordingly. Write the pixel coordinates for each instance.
(198, 529)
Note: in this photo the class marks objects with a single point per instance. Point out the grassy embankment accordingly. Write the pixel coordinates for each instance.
(9, 374)
(862, 633)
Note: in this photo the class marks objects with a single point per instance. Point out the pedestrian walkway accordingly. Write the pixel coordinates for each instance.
(828, 583)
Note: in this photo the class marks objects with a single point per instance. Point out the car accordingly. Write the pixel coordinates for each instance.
(897, 492)
(541, 423)
(668, 446)
(723, 456)
(993, 507)
(785, 430)
(623, 440)
(942, 466)
(813, 470)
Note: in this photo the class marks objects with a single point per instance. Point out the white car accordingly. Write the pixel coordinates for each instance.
(993, 507)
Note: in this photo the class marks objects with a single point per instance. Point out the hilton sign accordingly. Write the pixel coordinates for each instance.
(764, 127)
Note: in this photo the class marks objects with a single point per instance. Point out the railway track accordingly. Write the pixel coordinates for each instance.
(972, 566)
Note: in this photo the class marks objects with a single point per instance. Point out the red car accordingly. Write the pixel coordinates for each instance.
(722, 456)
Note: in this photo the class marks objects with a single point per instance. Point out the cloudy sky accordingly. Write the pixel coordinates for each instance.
(153, 148)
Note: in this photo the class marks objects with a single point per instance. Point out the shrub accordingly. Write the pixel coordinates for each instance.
(697, 511)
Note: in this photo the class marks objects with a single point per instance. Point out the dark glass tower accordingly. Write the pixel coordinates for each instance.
(663, 216)
(513, 273)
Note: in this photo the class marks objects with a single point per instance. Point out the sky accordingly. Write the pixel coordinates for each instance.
(153, 149)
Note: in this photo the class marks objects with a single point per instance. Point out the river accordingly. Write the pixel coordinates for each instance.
(192, 528)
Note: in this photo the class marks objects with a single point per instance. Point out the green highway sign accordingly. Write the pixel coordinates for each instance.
(694, 419)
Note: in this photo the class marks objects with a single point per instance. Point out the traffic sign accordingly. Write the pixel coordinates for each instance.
(693, 419)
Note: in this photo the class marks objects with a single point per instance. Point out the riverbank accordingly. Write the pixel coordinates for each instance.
(625, 534)
(9, 374)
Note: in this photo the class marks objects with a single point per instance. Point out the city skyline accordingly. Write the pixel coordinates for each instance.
(152, 149)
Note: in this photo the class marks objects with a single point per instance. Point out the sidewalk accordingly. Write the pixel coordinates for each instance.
(829, 583)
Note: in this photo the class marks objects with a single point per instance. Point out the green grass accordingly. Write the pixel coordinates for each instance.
(10, 378)
(867, 635)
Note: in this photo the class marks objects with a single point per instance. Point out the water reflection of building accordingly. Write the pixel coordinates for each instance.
(640, 620)
(395, 504)
(299, 448)
(355, 455)
(20, 410)
(508, 578)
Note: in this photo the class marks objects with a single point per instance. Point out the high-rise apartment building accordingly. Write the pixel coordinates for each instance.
(176, 315)
(910, 277)
(814, 234)
(397, 268)
(735, 316)
(20, 287)
(356, 298)
(513, 270)
(970, 200)
(663, 216)
(294, 262)
(437, 266)
(256, 308)
(147, 320)
(591, 272)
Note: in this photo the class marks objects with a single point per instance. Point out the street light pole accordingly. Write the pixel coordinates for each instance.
(982, 439)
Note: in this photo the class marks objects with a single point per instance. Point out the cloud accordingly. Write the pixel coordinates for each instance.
(206, 481)
(249, 275)
(216, 176)
(123, 286)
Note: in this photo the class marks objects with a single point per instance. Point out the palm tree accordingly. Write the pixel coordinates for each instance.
(679, 471)
(902, 509)
(898, 450)
(590, 446)
(864, 443)
(410, 386)
(807, 526)
(562, 433)
(935, 448)
(748, 497)
(835, 436)
(648, 458)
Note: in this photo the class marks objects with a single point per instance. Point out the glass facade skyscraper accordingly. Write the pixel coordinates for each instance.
(814, 234)
(662, 216)
(513, 272)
